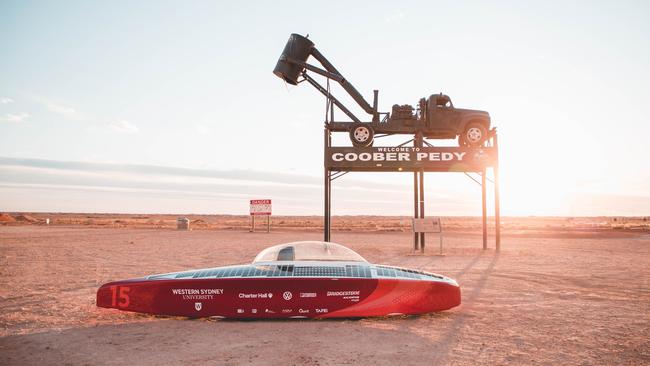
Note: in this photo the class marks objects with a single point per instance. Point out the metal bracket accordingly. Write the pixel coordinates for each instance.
(337, 175)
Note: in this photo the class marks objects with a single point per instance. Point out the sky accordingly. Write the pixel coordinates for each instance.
(171, 107)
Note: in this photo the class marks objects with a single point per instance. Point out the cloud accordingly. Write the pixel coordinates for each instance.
(124, 126)
(396, 17)
(51, 185)
(61, 109)
(6, 100)
(54, 185)
(14, 118)
(157, 170)
(58, 108)
(202, 129)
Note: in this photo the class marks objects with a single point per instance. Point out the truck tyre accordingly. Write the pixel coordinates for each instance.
(361, 135)
(474, 135)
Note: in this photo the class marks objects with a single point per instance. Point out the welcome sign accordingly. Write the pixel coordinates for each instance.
(429, 159)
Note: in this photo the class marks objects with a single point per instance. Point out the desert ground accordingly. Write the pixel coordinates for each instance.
(562, 291)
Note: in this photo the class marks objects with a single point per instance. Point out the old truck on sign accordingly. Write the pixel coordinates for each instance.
(434, 117)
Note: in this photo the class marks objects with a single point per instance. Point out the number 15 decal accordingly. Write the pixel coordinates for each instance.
(122, 294)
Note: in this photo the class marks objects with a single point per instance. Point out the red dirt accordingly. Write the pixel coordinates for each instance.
(25, 218)
(6, 218)
(555, 298)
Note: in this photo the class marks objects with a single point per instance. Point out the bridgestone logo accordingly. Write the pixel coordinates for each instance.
(343, 293)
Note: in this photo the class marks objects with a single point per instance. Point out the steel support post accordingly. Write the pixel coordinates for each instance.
(484, 207)
(416, 211)
(422, 208)
(327, 229)
(497, 208)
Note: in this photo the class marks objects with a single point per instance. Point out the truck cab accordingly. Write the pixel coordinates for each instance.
(444, 121)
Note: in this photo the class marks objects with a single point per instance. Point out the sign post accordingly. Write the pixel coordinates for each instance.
(420, 158)
(260, 208)
(428, 225)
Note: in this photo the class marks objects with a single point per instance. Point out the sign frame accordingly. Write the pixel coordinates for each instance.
(260, 207)
(410, 159)
(482, 158)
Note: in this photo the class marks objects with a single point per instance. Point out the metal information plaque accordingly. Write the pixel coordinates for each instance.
(408, 158)
(427, 225)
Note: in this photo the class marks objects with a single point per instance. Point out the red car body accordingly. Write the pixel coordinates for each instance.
(279, 285)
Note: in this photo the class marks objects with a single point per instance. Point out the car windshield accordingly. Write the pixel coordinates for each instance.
(308, 251)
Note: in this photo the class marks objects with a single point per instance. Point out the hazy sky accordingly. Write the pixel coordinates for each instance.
(135, 106)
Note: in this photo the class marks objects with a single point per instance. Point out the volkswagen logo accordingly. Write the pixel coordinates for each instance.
(287, 295)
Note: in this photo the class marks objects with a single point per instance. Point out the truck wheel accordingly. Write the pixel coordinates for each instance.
(474, 135)
(361, 135)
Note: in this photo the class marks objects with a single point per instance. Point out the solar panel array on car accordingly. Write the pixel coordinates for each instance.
(280, 271)
(431, 275)
(403, 273)
(355, 271)
(276, 271)
(319, 271)
(386, 272)
(358, 271)
(398, 272)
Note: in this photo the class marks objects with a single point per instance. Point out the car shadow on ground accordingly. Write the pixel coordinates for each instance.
(447, 340)
(184, 341)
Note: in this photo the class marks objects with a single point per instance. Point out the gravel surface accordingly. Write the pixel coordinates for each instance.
(564, 298)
